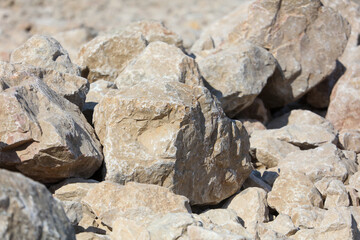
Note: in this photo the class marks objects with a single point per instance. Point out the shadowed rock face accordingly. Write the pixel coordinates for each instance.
(175, 136)
(29, 211)
(44, 136)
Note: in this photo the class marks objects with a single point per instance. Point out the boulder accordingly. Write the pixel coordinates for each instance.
(237, 74)
(251, 125)
(350, 140)
(160, 62)
(175, 136)
(44, 52)
(282, 224)
(48, 138)
(336, 195)
(29, 211)
(250, 205)
(256, 111)
(72, 87)
(292, 189)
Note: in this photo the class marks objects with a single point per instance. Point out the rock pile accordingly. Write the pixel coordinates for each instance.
(252, 133)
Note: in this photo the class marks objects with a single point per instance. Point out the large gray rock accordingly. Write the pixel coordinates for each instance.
(237, 74)
(175, 136)
(44, 136)
(28, 211)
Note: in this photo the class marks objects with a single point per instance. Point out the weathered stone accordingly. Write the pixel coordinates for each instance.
(354, 181)
(72, 189)
(45, 137)
(175, 136)
(155, 31)
(237, 74)
(92, 236)
(28, 210)
(255, 180)
(160, 62)
(307, 216)
(107, 56)
(324, 161)
(250, 205)
(44, 52)
(124, 228)
(256, 111)
(269, 177)
(292, 189)
(72, 87)
(350, 140)
(199, 233)
(252, 125)
(336, 195)
(283, 225)
(73, 211)
(115, 199)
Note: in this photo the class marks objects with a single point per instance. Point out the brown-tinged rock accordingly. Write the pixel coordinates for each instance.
(160, 62)
(236, 74)
(175, 136)
(44, 52)
(45, 137)
(29, 211)
(292, 189)
(350, 140)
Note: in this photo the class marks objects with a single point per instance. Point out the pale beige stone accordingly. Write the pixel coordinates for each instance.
(292, 189)
(237, 74)
(160, 62)
(336, 195)
(29, 211)
(251, 125)
(72, 189)
(283, 225)
(199, 233)
(307, 216)
(126, 229)
(354, 181)
(91, 236)
(175, 136)
(45, 137)
(350, 140)
(45, 52)
(250, 205)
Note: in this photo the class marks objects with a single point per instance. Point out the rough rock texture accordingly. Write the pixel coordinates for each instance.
(237, 74)
(108, 200)
(250, 205)
(305, 37)
(292, 189)
(256, 111)
(350, 140)
(283, 225)
(72, 87)
(175, 136)
(45, 52)
(160, 62)
(28, 211)
(45, 136)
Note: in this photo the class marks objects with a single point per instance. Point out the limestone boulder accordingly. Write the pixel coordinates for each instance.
(292, 189)
(237, 74)
(28, 210)
(251, 125)
(160, 62)
(282, 224)
(350, 140)
(250, 205)
(199, 233)
(175, 136)
(72, 87)
(336, 195)
(45, 136)
(45, 52)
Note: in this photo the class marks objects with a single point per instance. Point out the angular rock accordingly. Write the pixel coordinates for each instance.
(252, 125)
(292, 189)
(199, 233)
(255, 180)
(256, 111)
(250, 205)
(307, 216)
(336, 195)
(91, 236)
(350, 140)
(45, 52)
(72, 87)
(106, 56)
(237, 74)
(175, 136)
(324, 161)
(73, 189)
(283, 225)
(28, 210)
(109, 201)
(160, 62)
(47, 139)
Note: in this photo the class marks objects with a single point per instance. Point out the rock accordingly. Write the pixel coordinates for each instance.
(199, 233)
(343, 110)
(73, 211)
(27, 209)
(269, 177)
(106, 56)
(336, 195)
(237, 74)
(252, 125)
(73, 39)
(72, 189)
(283, 225)
(350, 140)
(224, 221)
(255, 180)
(153, 31)
(250, 205)
(354, 181)
(108, 201)
(160, 62)
(45, 52)
(174, 136)
(256, 111)
(48, 138)
(97, 91)
(307, 217)
(269, 151)
(306, 53)
(324, 161)
(72, 87)
(292, 189)
(91, 236)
